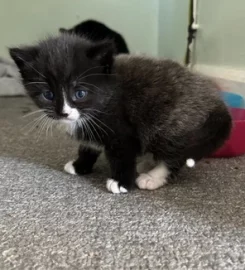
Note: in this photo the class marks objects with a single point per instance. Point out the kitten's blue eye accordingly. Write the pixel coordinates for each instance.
(48, 95)
(80, 94)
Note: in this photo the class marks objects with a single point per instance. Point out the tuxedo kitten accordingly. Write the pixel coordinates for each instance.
(96, 31)
(129, 106)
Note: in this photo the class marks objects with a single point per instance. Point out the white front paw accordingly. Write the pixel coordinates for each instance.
(113, 187)
(146, 181)
(69, 168)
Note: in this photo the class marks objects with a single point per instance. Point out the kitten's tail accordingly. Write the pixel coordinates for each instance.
(190, 163)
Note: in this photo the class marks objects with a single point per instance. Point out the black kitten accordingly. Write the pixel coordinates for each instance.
(127, 105)
(96, 31)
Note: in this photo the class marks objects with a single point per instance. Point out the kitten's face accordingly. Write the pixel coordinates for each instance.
(66, 76)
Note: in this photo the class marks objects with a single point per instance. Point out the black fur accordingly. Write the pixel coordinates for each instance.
(86, 160)
(96, 31)
(134, 104)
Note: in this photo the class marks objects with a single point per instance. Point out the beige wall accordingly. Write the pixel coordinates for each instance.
(173, 25)
(221, 37)
(150, 26)
(25, 21)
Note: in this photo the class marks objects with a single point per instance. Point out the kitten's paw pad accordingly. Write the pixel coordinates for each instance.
(69, 168)
(113, 187)
(146, 181)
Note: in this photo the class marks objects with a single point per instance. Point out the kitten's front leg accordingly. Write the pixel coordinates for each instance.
(84, 163)
(122, 162)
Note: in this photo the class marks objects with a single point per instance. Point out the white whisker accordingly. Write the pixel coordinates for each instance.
(51, 128)
(95, 118)
(80, 124)
(87, 71)
(97, 125)
(92, 124)
(48, 126)
(31, 113)
(32, 67)
(42, 126)
(97, 74)
(30, 83)
(92, 138)
(90, 84)
(94, 110)
(34, 122)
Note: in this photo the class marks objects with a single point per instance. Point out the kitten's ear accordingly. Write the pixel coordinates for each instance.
(63, 30)
(103, 52)
(24, 55)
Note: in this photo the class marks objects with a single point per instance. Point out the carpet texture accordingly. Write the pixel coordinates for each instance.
(52, 220)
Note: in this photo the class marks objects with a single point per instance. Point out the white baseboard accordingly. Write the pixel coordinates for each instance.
(229, 79)
(227, 73)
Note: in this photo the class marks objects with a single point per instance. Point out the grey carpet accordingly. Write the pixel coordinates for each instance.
(52, 220)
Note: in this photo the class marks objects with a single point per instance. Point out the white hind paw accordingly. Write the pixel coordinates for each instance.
(69, 168)
(146, 181)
